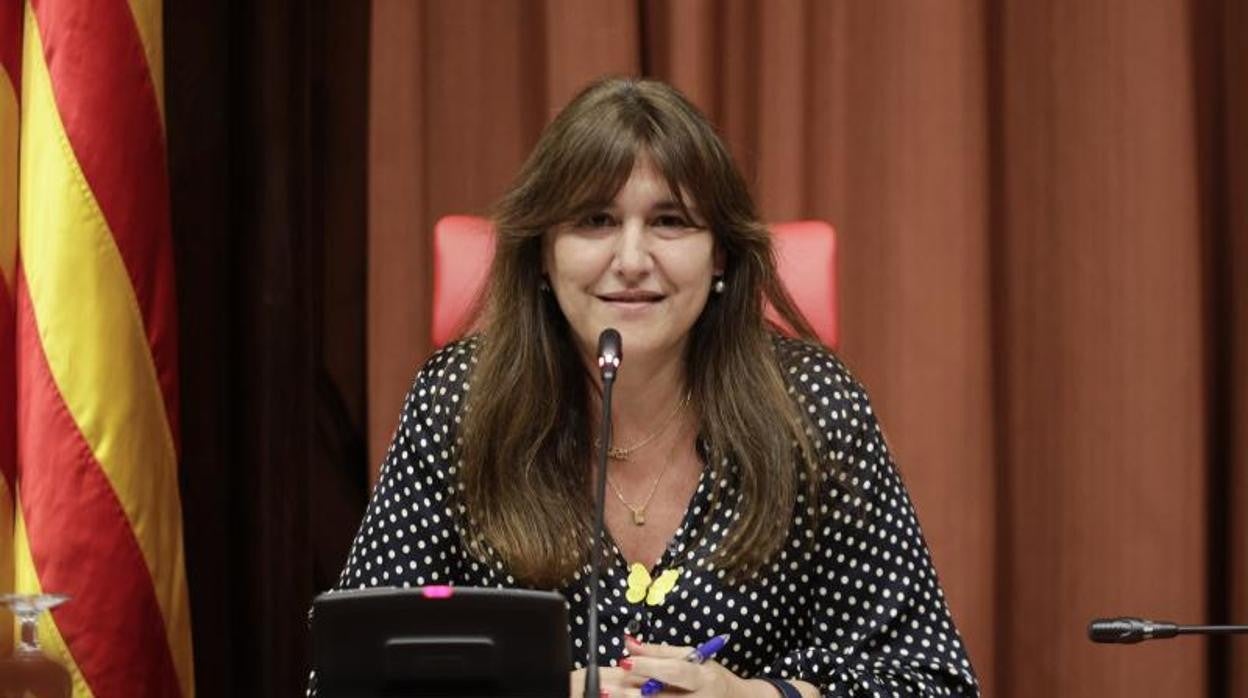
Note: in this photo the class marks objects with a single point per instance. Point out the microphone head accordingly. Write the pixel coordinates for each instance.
(1114, 630)
(1128, 631)
(610, 352)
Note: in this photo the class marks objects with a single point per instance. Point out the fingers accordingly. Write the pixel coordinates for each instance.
(674, 673)
(638, 649)
(666, 663)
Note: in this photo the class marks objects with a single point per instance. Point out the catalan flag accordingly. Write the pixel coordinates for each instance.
(91, 332)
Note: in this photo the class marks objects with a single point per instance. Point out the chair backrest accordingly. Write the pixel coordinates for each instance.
(463, 247)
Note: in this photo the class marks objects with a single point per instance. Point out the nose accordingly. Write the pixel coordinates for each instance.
(632, 251)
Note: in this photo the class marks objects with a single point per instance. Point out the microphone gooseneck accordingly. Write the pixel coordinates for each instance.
(610, 354)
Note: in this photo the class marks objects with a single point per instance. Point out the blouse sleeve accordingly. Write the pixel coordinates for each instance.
(879, 624)
(407, 536)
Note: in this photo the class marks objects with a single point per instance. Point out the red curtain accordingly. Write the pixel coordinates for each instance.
(1043, 211)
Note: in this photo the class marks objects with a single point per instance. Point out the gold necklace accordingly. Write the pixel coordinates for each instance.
(624, 453)
(639, 513)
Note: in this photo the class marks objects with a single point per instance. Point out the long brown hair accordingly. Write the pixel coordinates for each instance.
(526, 443)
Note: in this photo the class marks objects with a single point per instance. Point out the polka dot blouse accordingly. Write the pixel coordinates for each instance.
(858, 612)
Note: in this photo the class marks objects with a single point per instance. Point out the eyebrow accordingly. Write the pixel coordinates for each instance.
(664, 205)
(671, 205)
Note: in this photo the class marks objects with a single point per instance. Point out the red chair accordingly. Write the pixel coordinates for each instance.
(464, 245)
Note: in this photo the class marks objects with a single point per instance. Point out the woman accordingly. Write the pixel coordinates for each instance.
(751, 490)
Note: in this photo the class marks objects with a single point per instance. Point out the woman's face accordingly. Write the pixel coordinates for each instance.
(638, 265)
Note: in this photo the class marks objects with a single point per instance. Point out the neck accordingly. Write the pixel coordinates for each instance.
(647, 389)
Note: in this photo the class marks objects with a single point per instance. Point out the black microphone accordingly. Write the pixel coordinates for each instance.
(610, 353)
(1128, 631)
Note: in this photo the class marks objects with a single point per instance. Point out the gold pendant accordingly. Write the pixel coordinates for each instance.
(639, 517)
(616, 453)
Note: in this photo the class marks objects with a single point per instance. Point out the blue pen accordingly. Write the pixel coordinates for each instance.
(700, 654)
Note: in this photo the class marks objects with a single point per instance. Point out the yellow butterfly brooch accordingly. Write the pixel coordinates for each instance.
(641, 586)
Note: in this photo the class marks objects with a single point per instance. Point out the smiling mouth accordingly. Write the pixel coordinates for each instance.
(639, 298)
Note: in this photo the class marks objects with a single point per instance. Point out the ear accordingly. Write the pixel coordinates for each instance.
(546, 252)
(720, 260)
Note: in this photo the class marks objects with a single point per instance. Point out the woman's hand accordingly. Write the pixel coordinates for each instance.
(679, 676)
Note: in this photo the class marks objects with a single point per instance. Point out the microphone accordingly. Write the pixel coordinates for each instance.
(1128, 631)
(610, 353)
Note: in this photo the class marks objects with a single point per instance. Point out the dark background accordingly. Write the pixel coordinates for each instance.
(266, 106)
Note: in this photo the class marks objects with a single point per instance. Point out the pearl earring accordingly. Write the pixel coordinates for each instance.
(719, 285)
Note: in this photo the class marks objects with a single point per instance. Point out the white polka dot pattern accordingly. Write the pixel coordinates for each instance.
(850, 603)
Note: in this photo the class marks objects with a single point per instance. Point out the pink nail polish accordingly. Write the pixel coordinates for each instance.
(626, 664)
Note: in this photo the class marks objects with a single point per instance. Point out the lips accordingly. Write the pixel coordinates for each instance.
(631, 297)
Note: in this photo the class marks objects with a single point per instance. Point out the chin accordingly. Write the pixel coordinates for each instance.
(641, 336)
(640, 342)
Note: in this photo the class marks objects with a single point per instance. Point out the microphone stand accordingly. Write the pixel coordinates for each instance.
(610, 352)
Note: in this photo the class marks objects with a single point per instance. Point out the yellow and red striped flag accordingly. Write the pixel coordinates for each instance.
(98, 510)
(10, 89)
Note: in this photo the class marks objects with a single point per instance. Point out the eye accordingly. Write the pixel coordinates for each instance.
(671, 220)
(601, 219)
